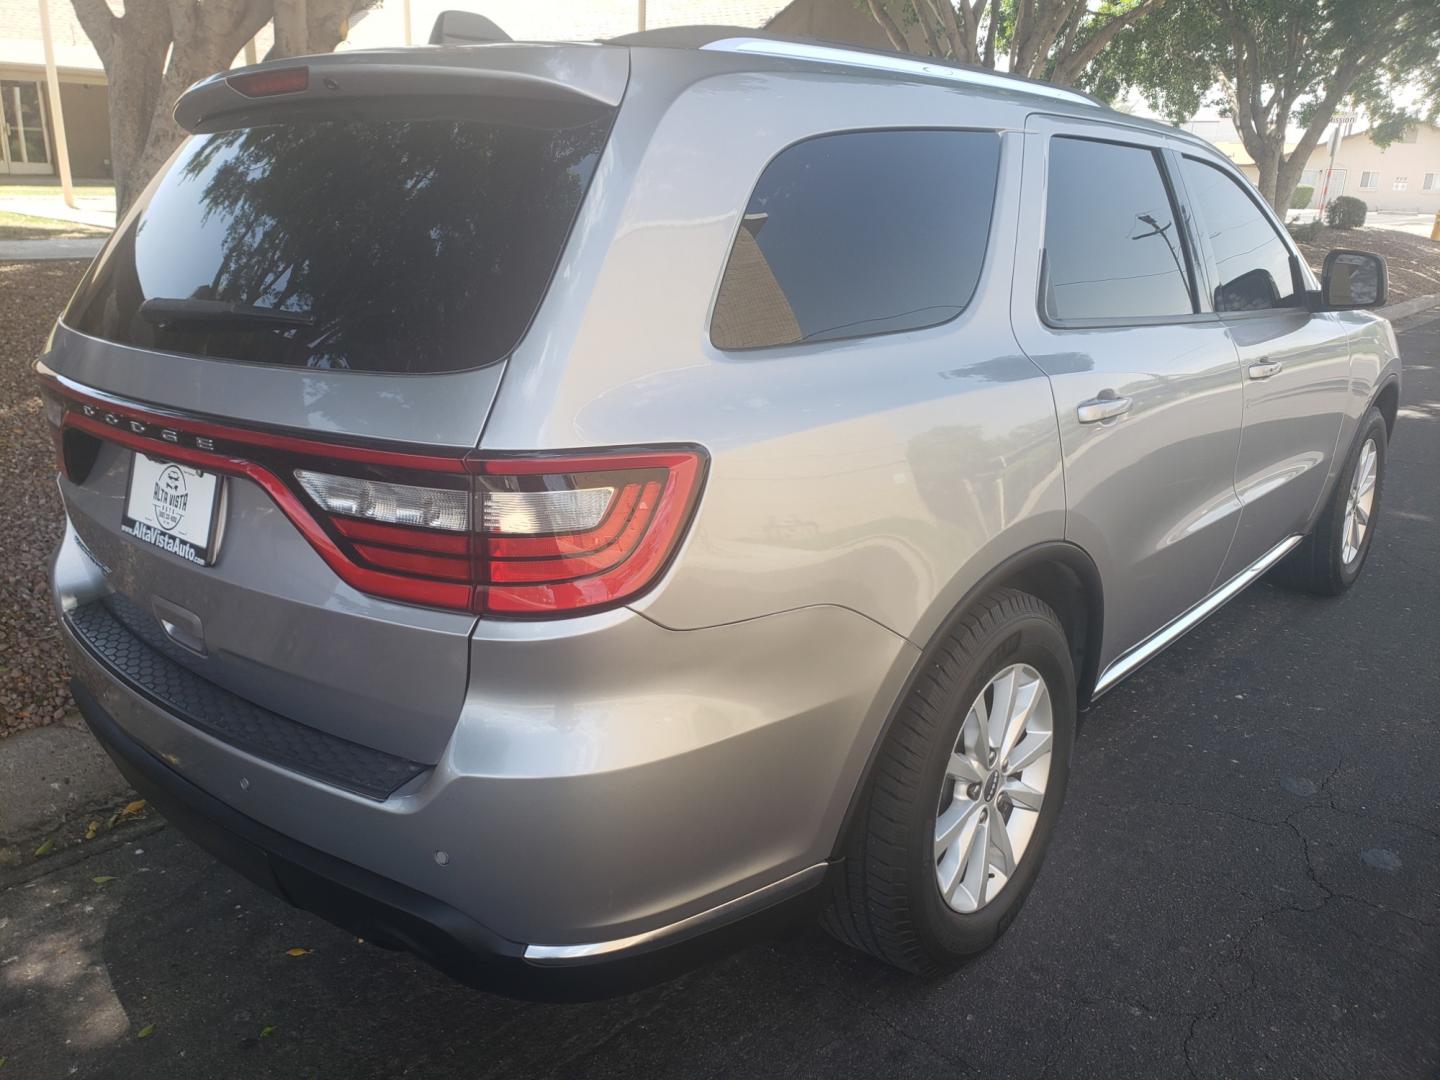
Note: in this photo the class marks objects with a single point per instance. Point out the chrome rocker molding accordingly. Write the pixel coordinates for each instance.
(721, 915)
(1172, 631)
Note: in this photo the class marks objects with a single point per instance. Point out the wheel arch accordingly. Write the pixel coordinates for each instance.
(1058, 572)
(1387, 400)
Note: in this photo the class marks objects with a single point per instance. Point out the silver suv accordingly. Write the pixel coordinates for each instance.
(564, 509)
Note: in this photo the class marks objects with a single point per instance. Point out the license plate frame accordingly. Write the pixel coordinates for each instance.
(173, 514)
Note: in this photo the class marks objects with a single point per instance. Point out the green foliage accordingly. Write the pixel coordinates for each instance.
(1307, 233)
(1346, 212)
(1279, 63)
(1301, 198)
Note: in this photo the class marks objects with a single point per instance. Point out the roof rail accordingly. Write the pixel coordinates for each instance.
(905, 65)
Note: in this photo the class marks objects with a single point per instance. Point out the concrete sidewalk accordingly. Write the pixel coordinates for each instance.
(29, 250)
(52, 780)
(89, 209)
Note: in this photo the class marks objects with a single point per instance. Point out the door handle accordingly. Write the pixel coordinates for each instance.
(1265, 369)
(1100, 409)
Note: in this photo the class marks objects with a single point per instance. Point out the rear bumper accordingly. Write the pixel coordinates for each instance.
(393, 915)
(617, 800)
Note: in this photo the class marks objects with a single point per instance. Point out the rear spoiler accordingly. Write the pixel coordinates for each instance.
(561, 74)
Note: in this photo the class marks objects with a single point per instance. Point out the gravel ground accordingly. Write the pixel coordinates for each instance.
(32, 662)
(1413, 262)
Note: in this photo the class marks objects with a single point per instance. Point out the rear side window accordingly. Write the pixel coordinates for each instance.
(1113, 250)
(1254, 265)
(390, 245)
(857, 234)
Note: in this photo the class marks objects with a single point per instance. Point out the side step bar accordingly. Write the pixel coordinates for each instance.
(1172, 631)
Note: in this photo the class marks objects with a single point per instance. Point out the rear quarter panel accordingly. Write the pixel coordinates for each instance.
(885, 475)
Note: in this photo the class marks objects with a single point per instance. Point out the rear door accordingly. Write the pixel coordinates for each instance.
(1146, 385)
(1295, 364)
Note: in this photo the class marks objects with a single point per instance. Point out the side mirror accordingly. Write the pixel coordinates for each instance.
(1352, 279)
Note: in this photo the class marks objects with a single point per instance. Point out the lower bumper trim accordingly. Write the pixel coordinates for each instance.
(393, 915)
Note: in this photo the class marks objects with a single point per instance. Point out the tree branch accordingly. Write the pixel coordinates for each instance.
(888, 24)
(98, 23)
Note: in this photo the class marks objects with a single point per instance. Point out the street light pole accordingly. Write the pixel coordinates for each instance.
(57, 116)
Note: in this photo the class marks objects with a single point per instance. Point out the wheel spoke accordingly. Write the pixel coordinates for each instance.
(955, 824)
(1002, 855)
(1002, 706)
(977, 863)
(1362, 515)
(980, 714)
(965, 768)
(1022, 794)
(1022, 705)
(1031, 748)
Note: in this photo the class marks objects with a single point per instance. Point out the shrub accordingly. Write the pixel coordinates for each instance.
(1301, 199)
(1307, 233)
(1345, 213)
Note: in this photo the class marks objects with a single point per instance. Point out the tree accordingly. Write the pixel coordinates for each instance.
(1054, 40)
(1272, 63)
(158, 48)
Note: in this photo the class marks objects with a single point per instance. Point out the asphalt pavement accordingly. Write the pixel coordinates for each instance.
(1245, 882)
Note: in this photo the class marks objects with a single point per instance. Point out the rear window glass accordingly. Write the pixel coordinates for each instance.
(390, 245)
(859, 233)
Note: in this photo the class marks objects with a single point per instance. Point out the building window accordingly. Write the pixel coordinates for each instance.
(1401, 183)
(1369, 181)
(1432, 182)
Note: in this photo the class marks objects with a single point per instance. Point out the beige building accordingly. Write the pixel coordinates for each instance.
(27, 145)
(1403, 176)
(27, 140)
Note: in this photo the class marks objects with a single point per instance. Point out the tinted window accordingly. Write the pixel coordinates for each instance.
(404, 245)
(1112, 247)
(855, 234)
(1252, 261)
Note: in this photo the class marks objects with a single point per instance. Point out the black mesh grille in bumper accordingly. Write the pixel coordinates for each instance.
(223, 715)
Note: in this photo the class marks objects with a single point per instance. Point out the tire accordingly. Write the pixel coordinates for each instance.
(886, 897)
(1319, 564)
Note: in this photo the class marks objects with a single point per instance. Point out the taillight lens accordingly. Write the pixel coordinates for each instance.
(519, 536)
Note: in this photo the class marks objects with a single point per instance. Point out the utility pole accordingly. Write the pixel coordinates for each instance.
(640, 14)
(1341, 124)
(57, 116)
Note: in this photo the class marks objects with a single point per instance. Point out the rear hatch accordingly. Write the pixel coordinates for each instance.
(321, 289)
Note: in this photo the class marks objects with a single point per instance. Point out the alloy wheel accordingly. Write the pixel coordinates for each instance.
(1360, 503)
(994, 788)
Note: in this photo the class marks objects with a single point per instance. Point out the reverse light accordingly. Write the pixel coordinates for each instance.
(389, 504)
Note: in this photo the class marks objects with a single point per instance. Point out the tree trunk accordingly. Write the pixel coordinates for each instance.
(132, 49)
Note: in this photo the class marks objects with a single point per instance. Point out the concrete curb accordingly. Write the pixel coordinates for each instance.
(52, 781)
(1406, 308)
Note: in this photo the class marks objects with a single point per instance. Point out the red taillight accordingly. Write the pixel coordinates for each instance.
(275, 81)
(534, 535)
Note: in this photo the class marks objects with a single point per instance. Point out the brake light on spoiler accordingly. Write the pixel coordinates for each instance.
(533, 535)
